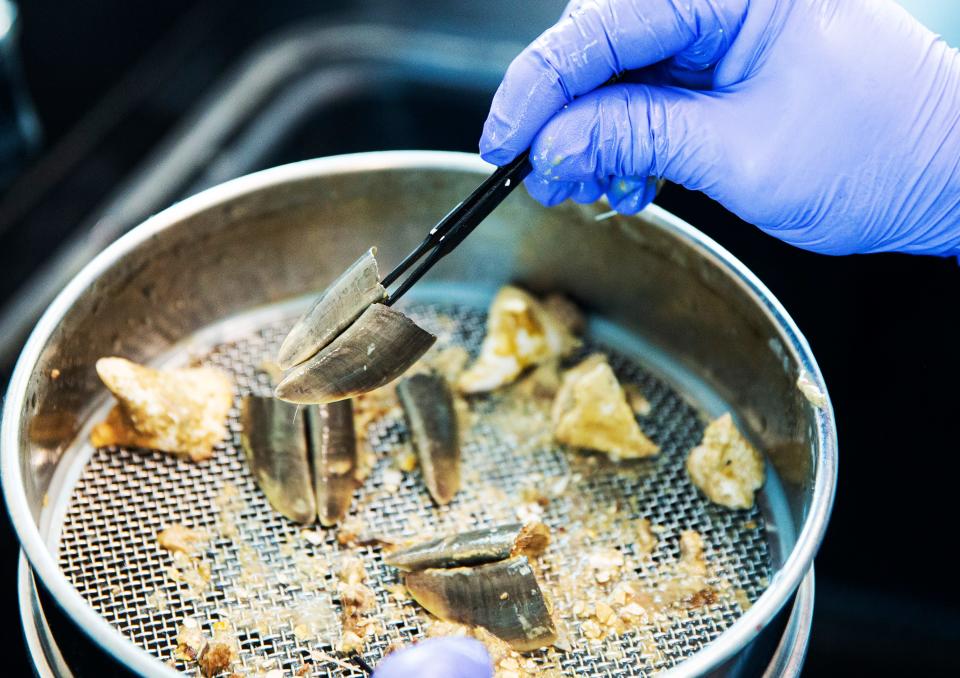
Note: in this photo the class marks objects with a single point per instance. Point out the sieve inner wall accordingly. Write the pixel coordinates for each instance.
(108, 548)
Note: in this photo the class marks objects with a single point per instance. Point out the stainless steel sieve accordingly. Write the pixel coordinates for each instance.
(218, 278)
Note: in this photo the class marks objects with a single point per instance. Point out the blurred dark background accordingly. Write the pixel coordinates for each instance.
(118, 87)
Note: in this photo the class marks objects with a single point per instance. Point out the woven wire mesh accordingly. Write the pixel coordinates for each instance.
(275, 582)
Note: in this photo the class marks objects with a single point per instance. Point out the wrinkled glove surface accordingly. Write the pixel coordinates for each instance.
(831, 124)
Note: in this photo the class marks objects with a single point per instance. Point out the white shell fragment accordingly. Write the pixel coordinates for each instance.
(725, 466)
(808, 387)
(521, 333)
(591, 411)
(183, 411)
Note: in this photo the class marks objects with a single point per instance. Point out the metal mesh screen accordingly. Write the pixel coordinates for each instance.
(274, 581)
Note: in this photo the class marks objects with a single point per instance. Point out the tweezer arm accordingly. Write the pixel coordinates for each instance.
(458, 224)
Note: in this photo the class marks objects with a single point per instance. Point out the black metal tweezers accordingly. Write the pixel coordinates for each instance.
(458, 224)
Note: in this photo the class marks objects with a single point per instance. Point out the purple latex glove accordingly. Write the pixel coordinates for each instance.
(831, 124)
(438, 658)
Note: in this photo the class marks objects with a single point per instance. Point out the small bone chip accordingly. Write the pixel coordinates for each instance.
(725, 466)
(521, 333)
(215, 659)
(591, 411)
(176, 538)
(183, 411)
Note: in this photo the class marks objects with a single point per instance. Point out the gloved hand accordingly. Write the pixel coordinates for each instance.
(438, 658)
(831, 124)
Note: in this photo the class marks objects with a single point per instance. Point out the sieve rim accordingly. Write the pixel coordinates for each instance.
(782, 586)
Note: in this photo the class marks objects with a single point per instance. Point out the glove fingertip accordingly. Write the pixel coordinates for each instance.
(629, 195)
(496, 155)
(546, 191)
(497, 144)
(588, 191)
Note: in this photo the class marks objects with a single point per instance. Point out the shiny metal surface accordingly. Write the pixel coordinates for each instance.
(787, 660)
(47, 660)
(207, 259)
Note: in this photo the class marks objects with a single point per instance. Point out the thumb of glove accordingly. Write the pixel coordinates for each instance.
(438, 658)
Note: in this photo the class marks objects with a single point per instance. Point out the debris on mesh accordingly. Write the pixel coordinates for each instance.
(212, 655)
(591, 412)
(725, 466)
(190, 641)
(216, 658)
(638, 402)
(606, 563)
(637, 571)
(193, 573)
(351, 532)
(642, 537)
(368, 408)
(406, 460)
(521, 333)
(356, 602)
(629, 604)
(182, 411)
(189, 568)
(177, 538)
